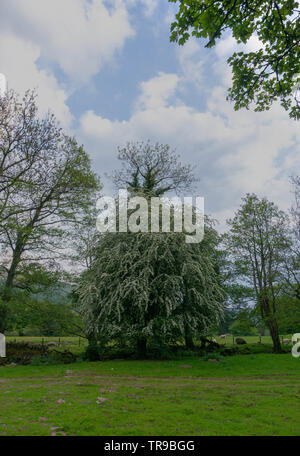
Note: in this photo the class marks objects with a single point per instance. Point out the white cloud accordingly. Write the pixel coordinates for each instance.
(170, 16)
(226, 46)
(78, 35)
(157, 91)
(224, 49)
(193, 61)
(235, 152)
(150, 6)
(18, 59)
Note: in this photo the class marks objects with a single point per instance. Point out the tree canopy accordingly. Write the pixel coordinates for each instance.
(258, 241)
(270, 73)
(152, 168)
(46, 190)
(144, 286)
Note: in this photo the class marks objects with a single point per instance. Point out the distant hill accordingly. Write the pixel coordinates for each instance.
(56, 294)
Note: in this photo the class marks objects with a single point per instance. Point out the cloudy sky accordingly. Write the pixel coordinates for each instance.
(107, 70)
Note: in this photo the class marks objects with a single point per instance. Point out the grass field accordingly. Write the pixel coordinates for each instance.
(241, 395)
(75, 344)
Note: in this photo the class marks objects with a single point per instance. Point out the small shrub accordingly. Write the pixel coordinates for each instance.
(254, 348)
(65, 357)
(160, 351)
(92, 353)
(118, 353)
(97, 352)
(229, 351)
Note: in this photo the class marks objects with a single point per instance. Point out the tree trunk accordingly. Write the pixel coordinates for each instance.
(268, 314)
(8, 287)
(92, 340)
(142, 347)
(9, 283)
(7, 293)
(189, 343)
(3, 318)
(273, 327)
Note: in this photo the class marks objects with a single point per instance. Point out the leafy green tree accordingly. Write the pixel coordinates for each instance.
(36, 317)
(152, 169)
(259, 241)
(288, 314)
(46, 189)
(261, 77)
(145, 287)
(291, 272)
(151, 286)
(243, 324)
(237, 300)
(24, 139)
(238, 295)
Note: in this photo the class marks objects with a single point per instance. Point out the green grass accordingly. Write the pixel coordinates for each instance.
(241, 395)
(250, 339)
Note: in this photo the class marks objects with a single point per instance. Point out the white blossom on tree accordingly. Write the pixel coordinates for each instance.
(152, 286)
